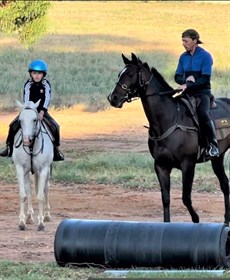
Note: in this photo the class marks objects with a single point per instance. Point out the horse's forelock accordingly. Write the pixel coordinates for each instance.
(29, 105)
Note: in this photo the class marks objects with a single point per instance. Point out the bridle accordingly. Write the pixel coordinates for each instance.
(38, 125)
(142, 85)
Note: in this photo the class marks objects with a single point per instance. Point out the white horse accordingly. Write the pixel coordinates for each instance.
(33, 154)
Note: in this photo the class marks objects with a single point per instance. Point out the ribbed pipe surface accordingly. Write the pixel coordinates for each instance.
(142, 244)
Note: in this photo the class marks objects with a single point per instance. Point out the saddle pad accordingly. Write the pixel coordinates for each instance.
(222, 128)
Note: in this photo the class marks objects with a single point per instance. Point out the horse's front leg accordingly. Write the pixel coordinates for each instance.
(22, 195)
(163, 175)
(29, 191)
(42, 182)
(188, 170)
(47, 217)
(218, 168)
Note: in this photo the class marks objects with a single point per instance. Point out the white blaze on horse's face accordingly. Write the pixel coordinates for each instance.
(122, 72)
(119, 76)
(28, 119)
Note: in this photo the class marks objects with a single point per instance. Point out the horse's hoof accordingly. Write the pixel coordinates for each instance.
(196, 219)
(41, 227)
(22, 226)
(47, 219)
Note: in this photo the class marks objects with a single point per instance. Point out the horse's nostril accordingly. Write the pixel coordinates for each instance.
(112, 98)
(115, 98)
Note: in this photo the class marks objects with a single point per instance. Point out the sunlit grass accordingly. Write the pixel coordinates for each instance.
(142, 26)
(85, 40)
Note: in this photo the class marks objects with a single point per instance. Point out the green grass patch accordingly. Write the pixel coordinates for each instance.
(127, 169)
(42, 271)
(132, 170)
(51, 271)
(7, 171)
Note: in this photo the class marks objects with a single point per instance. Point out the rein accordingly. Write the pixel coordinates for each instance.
(131, 95)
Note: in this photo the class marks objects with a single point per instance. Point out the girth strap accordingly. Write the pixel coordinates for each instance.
(173, 128)
(191, 109)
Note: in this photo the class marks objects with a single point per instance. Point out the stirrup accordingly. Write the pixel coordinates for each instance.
(213, 151)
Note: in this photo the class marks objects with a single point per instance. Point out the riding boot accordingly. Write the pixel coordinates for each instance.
(5, 152)
(8, 150)
(212, 149)
(13, 129)
(58, 156)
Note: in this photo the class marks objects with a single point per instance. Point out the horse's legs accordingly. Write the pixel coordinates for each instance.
(22, 194)
(42, 182)
(188, 170)
(218, 168)
(47, 217)
(29, 191)
(163, 176)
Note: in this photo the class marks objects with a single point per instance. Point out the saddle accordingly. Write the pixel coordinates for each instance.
(50, 129)
(221, 121)
(222, 124)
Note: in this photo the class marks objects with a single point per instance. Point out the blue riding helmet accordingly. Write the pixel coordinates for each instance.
(38, 65)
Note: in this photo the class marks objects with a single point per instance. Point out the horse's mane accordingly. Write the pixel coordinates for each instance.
(160, 79)
(137, 62)
(158, 76)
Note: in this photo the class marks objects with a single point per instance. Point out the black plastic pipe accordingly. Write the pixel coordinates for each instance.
(142, 244)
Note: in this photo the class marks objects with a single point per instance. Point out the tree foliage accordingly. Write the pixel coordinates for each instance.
(26, 18)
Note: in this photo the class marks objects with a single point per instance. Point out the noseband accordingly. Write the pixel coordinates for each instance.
(132, 94)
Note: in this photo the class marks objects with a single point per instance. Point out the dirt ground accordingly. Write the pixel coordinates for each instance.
(110, 130)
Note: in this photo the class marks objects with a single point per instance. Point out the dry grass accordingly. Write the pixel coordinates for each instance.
(138, 26)
(77, 123)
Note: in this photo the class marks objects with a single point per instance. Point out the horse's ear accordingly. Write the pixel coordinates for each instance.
(125, 59)
(19, 104)
(37, 103)
(134, 58)
(146, 66)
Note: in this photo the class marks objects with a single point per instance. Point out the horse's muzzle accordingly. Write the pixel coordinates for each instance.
(27, 141)
(115, 101)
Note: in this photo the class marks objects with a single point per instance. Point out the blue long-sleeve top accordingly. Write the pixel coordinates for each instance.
(199, 64)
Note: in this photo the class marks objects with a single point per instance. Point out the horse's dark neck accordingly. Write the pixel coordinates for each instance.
(161, 111)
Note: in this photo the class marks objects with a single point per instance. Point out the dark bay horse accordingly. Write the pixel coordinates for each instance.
(174, 138)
